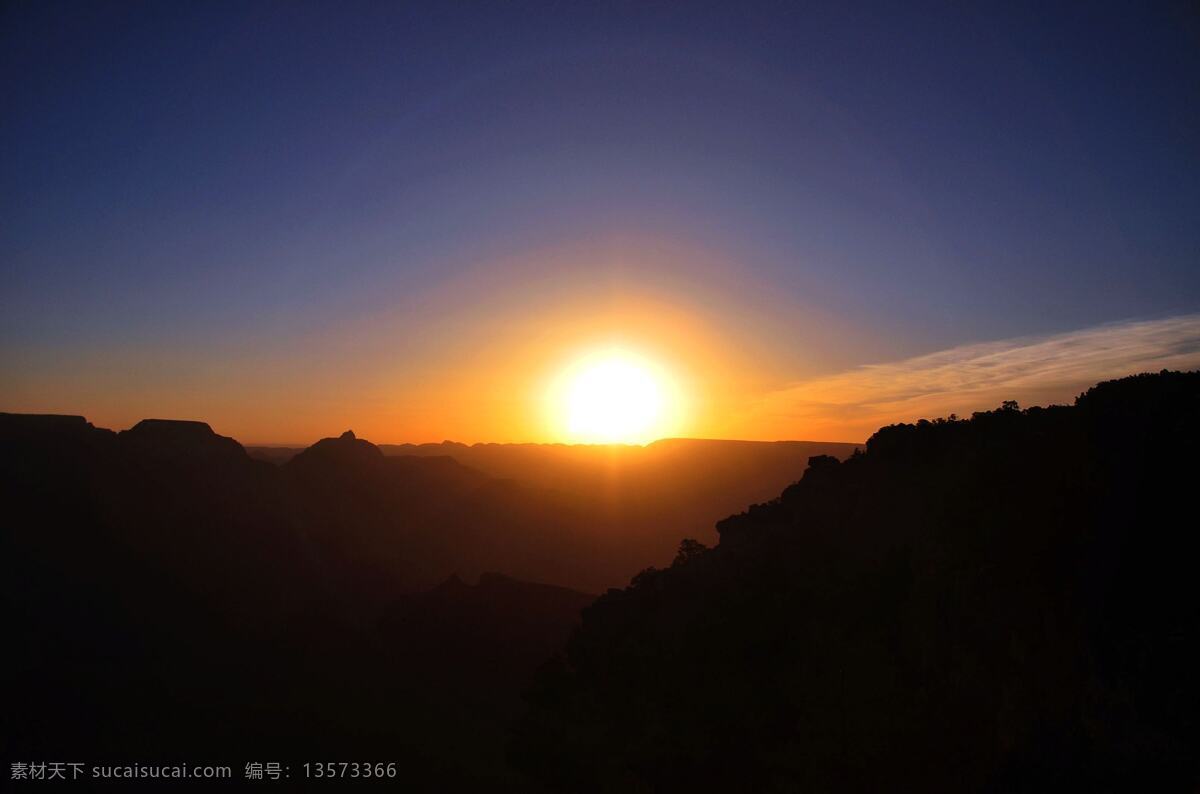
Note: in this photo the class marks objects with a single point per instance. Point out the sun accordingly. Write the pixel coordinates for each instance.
(614, 397)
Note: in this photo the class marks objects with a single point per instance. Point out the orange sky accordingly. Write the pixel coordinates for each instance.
(295, 228)
(472, 358)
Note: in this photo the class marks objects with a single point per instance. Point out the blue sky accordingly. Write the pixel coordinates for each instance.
(845, 185)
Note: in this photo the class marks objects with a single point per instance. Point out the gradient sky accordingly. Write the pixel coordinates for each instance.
(288, 219)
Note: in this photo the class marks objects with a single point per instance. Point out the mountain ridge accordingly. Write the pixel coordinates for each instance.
(1000, 603)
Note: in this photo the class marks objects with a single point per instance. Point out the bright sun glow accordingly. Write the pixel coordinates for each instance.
(615, 397)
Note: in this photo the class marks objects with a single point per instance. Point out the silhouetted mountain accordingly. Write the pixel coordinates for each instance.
(176, 598)
(1003, 603)
(173, 606)
(180, 441)
(1006, 603)
(173, 594)
(347, 452)
(624, 506)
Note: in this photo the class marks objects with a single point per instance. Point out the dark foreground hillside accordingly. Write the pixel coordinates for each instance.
(170, 597)
(171, 600)
(1006, 603)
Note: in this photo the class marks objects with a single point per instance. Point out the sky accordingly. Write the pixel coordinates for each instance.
(291, 219)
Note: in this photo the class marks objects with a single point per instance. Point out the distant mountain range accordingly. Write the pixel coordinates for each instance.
(624, 506)
(1005, 603)
(174, 593)
(177, 599)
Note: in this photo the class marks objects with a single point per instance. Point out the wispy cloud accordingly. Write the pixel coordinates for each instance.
(1033, 370)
